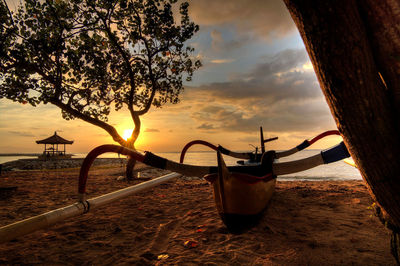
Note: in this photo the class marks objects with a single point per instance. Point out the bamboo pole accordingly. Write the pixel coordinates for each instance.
(47, 219)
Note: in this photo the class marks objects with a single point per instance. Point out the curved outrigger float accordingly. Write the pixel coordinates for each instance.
(241, 193)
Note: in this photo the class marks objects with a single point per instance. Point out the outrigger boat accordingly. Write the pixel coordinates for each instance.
(241, 193)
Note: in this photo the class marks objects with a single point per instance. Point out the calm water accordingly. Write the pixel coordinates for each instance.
(334, 171)
(4, 159)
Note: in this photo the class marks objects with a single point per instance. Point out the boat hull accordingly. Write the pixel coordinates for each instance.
(240, 204)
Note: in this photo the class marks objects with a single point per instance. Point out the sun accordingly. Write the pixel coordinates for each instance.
(127, 134)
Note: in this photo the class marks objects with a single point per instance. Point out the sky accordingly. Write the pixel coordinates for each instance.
(256, 72)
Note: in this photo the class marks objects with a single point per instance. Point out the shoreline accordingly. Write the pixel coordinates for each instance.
(306, 223)
(39, 164)
(18, 154)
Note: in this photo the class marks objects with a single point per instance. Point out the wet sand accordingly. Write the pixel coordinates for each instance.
(306, 223)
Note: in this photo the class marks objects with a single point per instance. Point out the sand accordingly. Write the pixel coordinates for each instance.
(310, 223)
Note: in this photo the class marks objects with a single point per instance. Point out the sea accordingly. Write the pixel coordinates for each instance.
(334, 171)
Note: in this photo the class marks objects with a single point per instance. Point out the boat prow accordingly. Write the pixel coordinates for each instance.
(240, 198)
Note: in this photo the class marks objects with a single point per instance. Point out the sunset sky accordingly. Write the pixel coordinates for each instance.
(255, 72)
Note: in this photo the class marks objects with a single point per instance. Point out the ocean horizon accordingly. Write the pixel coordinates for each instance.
(334, 171)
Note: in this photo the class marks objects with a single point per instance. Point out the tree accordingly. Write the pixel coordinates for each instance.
(355, 49)
(87, 57)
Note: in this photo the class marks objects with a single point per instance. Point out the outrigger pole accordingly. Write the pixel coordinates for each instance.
(47, 219)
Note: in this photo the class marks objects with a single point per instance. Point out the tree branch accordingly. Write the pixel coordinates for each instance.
(9, 12)
(123, 54)
(110, 129)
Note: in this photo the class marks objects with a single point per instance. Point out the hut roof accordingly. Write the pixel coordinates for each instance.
(55, 139)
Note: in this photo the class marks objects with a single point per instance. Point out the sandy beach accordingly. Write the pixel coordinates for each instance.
(306, 223)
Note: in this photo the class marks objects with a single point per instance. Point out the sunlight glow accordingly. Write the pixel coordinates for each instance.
(127, 134)
(308, 66)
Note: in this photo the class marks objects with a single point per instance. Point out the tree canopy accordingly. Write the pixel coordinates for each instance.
(87, 57)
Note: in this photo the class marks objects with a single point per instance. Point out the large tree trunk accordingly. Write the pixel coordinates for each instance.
(349, 60)
(382, 19)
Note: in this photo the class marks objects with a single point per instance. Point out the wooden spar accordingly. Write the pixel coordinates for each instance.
(47, 219)
(262, 141)
(297, 166)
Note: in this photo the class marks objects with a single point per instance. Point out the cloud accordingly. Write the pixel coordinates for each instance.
(222, 61)
(21, 133)
(268, 19)
(280, 77)
(219, 43)
(283, 61)
(249, 139)
(206, 126)
(151, 130)
(278, 93)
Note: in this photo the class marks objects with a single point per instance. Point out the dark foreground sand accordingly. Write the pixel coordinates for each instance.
(307, 223)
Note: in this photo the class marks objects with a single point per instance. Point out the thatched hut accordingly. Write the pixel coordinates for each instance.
(54, 147)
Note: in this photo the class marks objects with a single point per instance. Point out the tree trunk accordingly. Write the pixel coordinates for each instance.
(130, 173)
(382, 19)
(340, 38)
(130, 165)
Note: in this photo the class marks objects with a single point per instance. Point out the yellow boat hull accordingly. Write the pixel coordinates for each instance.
(240, 204)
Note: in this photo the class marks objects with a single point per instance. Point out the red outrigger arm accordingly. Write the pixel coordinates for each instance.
(257, 157)
(306, 143)
(194, 142)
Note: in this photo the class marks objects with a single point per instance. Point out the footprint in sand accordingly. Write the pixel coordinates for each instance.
(161, 239)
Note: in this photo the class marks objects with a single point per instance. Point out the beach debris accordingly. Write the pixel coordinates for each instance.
(162, 256)
(121, 178)
(190, 244)
(201, 228)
